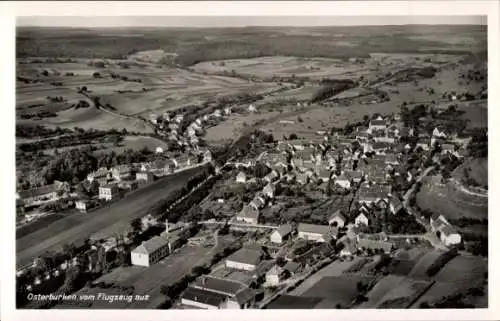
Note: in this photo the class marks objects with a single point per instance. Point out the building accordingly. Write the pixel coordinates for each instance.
(248, 214)
(271, 177)
(241, 177)
(324, 174)
(273, 276)
(144, 176)
(238, 295)
(108, 192)
(129, 185)
(203, 299)
(447, 149)
(153, 250)
(361, 219)
(121, 172)
(450, 236)
(101, 176)
(377, 124)
(81, 205)
(313, 232)
(343, 181)
(246, 259)
(395, 205)
(258, 202)
(438, 133)
(391, 159)
(375, 245)
(354, 176)
(302, 178)
(159, 150)
(349, 248)
(424, 144)
(47, 193)
(269, 190)
(338, 218)
(281, 234)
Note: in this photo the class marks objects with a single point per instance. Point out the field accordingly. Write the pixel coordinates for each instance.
(384, 286)
(334, 269)
(336, 291)
(477, 168)
(452, 202)
(78, 227)
(463, 270)
(419, 270)
(294, 302)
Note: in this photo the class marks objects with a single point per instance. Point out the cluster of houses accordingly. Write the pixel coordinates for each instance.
(447, 233)
(169, 126)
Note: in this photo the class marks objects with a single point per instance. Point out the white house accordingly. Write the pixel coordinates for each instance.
(108, 192)
(273, 276)
(438, 133)
(252, 108)
(395, 205)
(269, 190)
(280, 234)
(241, 177)
(361, 219)
(449, 236)
(151, 251)
(343, 182)
(81, 205)
(159, 150)
(244, 259)
(312, 232)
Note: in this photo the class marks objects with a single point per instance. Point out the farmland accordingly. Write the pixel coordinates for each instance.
(451, 201)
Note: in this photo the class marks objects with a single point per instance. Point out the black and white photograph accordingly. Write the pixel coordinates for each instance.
(251, 162)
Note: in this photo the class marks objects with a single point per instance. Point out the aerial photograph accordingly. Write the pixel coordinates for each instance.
(253, 162)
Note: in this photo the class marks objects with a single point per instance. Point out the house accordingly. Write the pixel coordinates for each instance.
(183, 161)
(391, 159)
(121, 172)
(159, 150)
(447, 149)
(313, 232)
(380, 147)
(101, 176)
(302, 178)
(438, 133)
(372, 194)
(361, 219)
(269, 190)
(355, 176)
(337, 218)
(128, 185)
(108, 192)
(252, 108)
(246, 259)
(144, 176)
(203, 299)
(273, 276)
(450, 236)
(81, 205)
(343, 181)
(281, 233)
(241, 177)
(377, 124)
(424, 144)
(395, 205)
(47, 193)
(324, 174)
(258, 202)
(153, 250)
(248, 214)
(271, 177)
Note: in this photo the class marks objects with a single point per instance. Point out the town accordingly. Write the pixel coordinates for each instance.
(385, 210)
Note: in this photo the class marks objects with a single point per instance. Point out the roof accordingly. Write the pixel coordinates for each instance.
(249, 212)
(241, 174)
(284, 229)
(121, 168)
(447, 146)
(391, 158)
(376, 122)
(151, 245)
(218, 285)
(203, 296)
(353, 174)
(246, 256)
(37, 191)
(448, 230)
(379, 145)
(395, 201)
(244, 296)
(291, 266)
(313, 228)
(324, 173)
(269, 188)
(275, 270)
(337, 214)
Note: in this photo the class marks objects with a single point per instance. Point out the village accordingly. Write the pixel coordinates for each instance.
(361, 183)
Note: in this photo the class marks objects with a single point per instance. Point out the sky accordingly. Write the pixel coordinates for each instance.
(241, 21)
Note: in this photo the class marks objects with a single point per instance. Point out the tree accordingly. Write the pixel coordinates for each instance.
(293, 136)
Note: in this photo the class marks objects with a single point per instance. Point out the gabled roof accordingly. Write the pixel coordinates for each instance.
(284, 229)
(37, 191)
(246, 256)
(269, 188)
(218, 285)
(375, 244)
(448, 230)
(376, 122)
(291, 266)
(394, 201)
(313, 228)
(337, 214)
(249, 212)
(151, 245)
(203, 296)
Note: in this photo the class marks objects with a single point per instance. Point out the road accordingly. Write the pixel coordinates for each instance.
(78, 227)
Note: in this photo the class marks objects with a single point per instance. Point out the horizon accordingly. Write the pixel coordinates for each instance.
(94, 22)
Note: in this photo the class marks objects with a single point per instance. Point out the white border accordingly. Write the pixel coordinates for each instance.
(9, 10)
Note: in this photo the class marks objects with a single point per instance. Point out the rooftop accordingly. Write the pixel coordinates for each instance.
(203, 296)
(313, 228)
(218, 285)
(249, 212)
(246, 256)
(151, 245)
(284, 229)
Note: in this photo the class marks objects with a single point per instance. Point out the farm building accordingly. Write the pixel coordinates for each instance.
(81, 205)
(238, 295)
(258, 202)
(121, 172)
(450, 236)
(244, 259)
(312, 232)
(41, 194)
(153, 250)
(241, 177)
(203, 299)
(361, 219)
(280, 234)
(144, 176)
(108, 192)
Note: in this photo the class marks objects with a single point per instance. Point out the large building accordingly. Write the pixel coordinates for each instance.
(153, 250)
(312, 232)
(38, 195)
(280, 234)
(249, 215)
(244, 259)
(108, 192)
